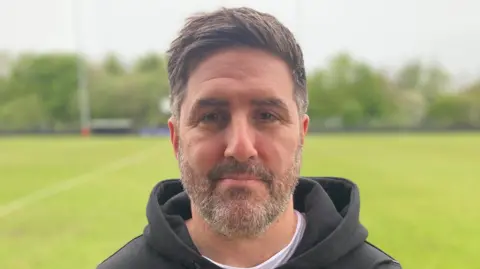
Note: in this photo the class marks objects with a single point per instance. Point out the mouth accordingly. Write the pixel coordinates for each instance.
(240, 177)
(240, 180)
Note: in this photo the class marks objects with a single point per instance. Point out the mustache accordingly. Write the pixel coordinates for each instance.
(233, 166)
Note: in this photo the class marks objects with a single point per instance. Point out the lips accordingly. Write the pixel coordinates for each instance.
(240, 177)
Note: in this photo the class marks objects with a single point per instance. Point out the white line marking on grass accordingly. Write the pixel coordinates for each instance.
(72, 182)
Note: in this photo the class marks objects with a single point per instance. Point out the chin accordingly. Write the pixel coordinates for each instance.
(241, 218)
(242, 193)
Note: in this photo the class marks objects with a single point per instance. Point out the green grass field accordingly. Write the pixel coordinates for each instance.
(69, 202)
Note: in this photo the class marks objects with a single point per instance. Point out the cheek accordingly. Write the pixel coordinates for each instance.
(203, 153)
(278, 150)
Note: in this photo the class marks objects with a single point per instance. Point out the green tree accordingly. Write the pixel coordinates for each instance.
(112, 65)
(150, 62)
(472, 94)
(350, 92)
(4, 90)
(436, 82)
(409, 77)
(449, 110)
(23, 113)
(52, 77)
(40, 90)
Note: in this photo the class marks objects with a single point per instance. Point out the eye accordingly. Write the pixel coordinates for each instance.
(209, 117)
(266, 116)
(214, 118)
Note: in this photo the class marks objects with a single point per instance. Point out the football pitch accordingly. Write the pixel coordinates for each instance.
(69, 202)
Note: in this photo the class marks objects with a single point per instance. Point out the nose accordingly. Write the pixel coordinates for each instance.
(240, 140)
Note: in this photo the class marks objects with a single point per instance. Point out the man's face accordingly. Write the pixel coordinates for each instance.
(238, 140)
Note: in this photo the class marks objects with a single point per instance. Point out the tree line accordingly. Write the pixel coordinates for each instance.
(40, 91)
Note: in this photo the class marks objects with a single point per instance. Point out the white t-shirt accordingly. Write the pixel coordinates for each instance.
(283, 255)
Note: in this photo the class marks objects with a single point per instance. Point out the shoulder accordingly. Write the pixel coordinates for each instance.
(379, 258)
(134, 254)
(389, 265)
(125, 257)
(368, 256)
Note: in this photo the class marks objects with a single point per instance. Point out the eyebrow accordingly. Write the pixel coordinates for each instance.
(216, 102)
(211, 102)
(270, 102)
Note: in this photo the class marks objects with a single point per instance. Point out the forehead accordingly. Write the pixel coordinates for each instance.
(240, 75)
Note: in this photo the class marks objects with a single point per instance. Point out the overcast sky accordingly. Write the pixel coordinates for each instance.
(383, 32)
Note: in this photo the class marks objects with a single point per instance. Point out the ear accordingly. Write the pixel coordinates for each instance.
(173, 127)
(304, 127)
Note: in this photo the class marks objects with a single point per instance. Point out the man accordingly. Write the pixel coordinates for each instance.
(239, 102)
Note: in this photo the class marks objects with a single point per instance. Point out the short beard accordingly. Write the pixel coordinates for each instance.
(239, 212)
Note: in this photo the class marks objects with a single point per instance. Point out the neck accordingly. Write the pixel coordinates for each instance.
(253, 251)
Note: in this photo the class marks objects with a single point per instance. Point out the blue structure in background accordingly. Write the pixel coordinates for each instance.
(154, 132)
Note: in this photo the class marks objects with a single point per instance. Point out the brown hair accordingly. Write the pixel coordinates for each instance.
(206, 33)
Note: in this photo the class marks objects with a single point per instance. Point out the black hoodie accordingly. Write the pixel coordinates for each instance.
(333, 238)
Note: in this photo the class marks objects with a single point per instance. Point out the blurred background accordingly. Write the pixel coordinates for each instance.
(394, 90)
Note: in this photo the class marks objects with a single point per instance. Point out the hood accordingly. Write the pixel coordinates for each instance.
(331, 206)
